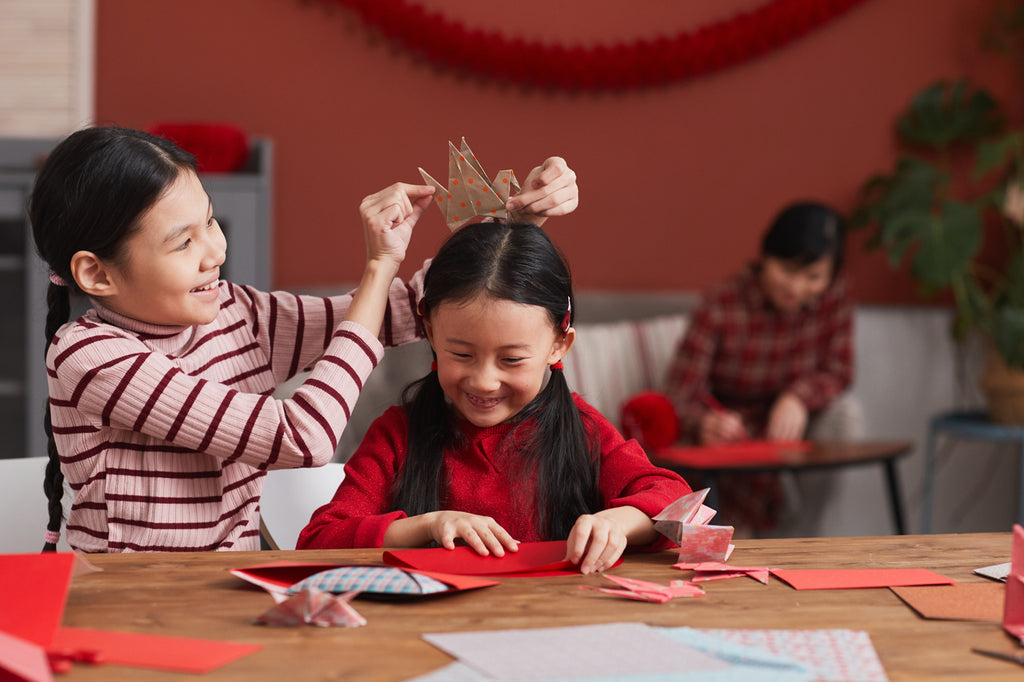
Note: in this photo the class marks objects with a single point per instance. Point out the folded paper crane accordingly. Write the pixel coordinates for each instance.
(685, 522)
(1013, 606)
(469, 194)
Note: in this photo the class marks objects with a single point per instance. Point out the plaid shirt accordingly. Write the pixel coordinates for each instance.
(745, 353)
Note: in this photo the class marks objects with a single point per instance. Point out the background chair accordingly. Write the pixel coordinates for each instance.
(23, 506)
(290, 496)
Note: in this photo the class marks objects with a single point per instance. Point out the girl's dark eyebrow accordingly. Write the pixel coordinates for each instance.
(176, 233)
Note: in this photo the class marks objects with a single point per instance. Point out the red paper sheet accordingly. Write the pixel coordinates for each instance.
(533, 559)
(152, 651)
(33, 589)
(731, 454)
(856, 578)
(278, 576)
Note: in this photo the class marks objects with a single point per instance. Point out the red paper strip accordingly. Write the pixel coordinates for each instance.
(856, 578)
(141, 650)
(732, 454)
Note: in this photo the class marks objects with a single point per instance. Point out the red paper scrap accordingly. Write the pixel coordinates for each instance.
(856, 578)
(21, 659)
(139, 650)
(1013, 608)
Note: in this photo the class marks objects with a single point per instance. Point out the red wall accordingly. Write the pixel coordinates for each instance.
(676, 182)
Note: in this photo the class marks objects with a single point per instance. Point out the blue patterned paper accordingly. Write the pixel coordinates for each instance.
(371, 579)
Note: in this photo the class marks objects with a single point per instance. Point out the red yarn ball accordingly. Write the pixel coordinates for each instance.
(650, 417)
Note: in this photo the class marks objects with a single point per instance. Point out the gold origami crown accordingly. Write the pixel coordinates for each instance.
(469, 194)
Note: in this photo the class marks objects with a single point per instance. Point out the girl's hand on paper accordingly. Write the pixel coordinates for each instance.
(596, 542)
(482, 533)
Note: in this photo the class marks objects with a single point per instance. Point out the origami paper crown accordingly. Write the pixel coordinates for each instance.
(469, 194)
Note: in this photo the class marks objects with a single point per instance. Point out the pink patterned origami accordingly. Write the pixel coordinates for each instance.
(314, 607)
(685, 522)
(642, 590)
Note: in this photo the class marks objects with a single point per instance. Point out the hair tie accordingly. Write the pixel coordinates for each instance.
(433, 366)
(557, 365)
(51, 537)
(57, 279)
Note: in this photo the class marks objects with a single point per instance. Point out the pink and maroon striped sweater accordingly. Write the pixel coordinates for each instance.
(165, 433)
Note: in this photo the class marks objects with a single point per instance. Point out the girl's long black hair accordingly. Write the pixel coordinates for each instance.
(88, 196)
(518, 263)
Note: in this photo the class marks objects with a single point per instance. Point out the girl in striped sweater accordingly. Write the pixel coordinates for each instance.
(160, 413)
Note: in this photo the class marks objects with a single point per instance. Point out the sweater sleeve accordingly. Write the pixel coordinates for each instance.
(297, 330)
(835, 343)
(357, 515)
(687, 379)
(626, 475)
(114, 380)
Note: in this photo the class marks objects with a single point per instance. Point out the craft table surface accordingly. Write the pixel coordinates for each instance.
(192, 594)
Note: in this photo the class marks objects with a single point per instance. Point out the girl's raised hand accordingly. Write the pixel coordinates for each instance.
(482, 533)
(388, 218)
(596, 542)
(549, 190)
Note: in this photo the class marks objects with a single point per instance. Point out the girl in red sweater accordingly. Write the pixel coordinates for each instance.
(491, 447)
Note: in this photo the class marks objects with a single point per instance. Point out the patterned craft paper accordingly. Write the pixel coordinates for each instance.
(313, 607)
(469, 194)
(685, 522)
(598, 651)
(830, 655)
(714, 570)
(370, 579)
(642, 590)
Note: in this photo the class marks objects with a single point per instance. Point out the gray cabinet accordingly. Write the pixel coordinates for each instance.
(241, 203)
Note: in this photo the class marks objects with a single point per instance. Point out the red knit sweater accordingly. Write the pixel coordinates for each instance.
(480, 480)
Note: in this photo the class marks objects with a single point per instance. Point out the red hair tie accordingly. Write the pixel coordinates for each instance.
(433, 366)
(557, 365)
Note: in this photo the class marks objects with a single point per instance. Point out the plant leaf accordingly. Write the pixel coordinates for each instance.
(948, 243)
(943, 114)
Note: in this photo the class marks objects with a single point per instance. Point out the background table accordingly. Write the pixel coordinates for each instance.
(822, 455)
(193, 595)
(973, 425)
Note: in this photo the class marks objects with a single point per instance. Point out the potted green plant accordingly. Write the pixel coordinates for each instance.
(958, 182)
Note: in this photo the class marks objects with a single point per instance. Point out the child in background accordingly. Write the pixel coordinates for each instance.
(767, 349)
(483, 451)
(160, 411)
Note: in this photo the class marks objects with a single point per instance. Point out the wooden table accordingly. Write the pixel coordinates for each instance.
(193, 595)
(822, 455)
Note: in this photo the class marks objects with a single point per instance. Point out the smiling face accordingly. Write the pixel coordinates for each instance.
(790, 286)
(492, 355)
(170, 273)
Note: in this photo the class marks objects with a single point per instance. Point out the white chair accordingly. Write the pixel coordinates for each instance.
(23, 514)
(290, 496)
